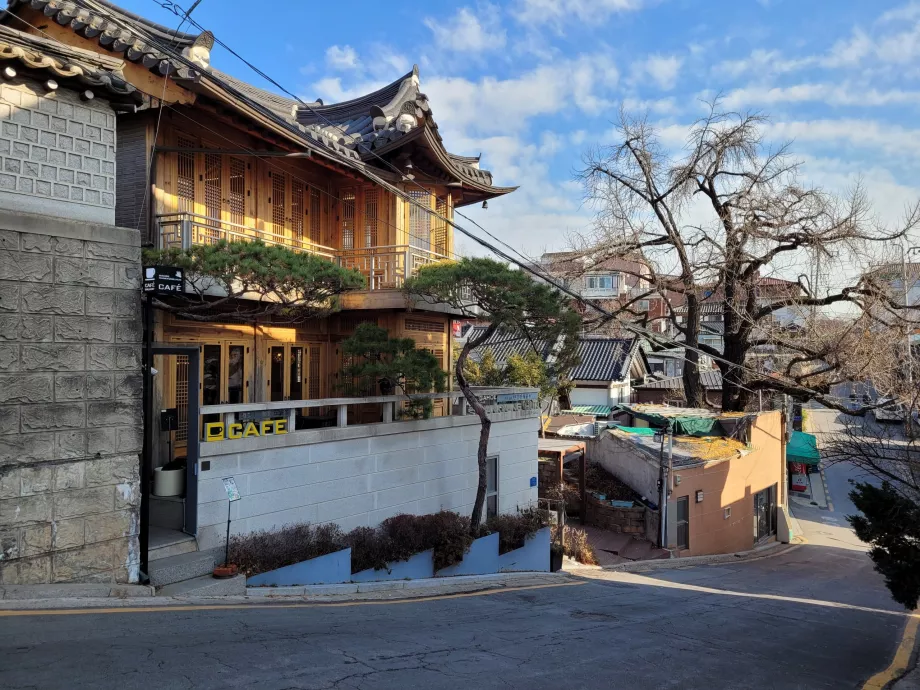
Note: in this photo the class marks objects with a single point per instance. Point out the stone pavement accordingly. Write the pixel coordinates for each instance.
(613, 548)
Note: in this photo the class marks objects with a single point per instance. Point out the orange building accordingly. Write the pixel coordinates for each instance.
(726, 488)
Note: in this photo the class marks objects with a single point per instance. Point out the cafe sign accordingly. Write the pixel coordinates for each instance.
(219, 431)
(164, 279)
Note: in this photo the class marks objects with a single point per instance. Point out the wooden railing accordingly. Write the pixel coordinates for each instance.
(386, 268)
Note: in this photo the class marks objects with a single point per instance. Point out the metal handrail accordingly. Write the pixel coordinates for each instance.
(386, 267)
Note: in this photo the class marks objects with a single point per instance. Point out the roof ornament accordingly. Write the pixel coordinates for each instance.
(200, 51)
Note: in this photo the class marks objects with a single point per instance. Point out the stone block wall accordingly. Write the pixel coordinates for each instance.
(625, 520)
(58, 153)
(70, 401)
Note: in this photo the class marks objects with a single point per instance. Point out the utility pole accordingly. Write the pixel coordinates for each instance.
(664, 483)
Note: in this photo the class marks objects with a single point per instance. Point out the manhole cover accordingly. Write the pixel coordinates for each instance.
(593, 616)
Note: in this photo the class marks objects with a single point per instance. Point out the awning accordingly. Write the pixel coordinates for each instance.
(596, 410)
(803, 448)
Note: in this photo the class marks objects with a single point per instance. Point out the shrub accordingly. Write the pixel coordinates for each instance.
(259, 552)
(576, 545)
(446, 532)
(513, 530)
(370, 548)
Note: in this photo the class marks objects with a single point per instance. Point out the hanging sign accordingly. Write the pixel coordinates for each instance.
(233, 493)
(164, 279)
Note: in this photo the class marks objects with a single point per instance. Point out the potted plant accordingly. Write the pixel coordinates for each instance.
(169, 480)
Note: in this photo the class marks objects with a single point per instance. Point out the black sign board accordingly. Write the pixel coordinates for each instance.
(164, 279)
(169, 419)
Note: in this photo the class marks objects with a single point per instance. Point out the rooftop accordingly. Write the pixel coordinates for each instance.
(687, 450)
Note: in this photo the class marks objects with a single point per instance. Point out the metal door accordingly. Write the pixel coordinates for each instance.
(683, 522)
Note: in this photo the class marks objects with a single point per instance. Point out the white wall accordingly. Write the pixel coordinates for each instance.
(626, 463)
(589, 396)
(381, 470)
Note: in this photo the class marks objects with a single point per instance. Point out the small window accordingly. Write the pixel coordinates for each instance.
(642, 305)
(601, 282)
(491, 487)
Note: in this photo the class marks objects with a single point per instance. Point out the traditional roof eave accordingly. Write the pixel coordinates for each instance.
(91, 19)
(67, 63)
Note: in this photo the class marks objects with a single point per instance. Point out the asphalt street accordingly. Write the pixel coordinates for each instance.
(817, 616)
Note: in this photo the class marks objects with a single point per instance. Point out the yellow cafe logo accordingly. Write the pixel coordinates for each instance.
(218, 431)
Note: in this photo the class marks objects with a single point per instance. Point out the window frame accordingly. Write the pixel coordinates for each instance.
(494, 492)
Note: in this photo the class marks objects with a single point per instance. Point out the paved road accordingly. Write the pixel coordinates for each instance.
(817, 616)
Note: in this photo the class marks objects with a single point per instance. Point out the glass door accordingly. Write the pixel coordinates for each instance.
(765, 513)
(276, 368)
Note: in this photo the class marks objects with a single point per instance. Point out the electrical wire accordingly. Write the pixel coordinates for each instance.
(402, 194)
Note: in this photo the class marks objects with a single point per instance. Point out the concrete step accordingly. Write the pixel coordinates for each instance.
(205, 586)
(184, 566)
(167, 512)
(169, 542)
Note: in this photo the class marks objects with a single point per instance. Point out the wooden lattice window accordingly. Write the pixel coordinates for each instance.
(439, 234)
(213, 165)
(420, 219)
(316, 216)
(297, 209)
(185, 175)
(370, 217)
(277, 202)
(424, 326)
(348, 220)
(314, 374)
(237, 196)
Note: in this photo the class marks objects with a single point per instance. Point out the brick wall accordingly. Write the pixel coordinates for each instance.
(132, 197)
(70, 401)
(58, 153)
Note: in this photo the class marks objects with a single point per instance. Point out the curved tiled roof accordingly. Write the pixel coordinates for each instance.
(64, 62)
(381, 121)
(600, 359)
(105, 22)
(710, 378)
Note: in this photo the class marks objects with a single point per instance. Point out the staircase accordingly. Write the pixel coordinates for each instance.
(177, 568)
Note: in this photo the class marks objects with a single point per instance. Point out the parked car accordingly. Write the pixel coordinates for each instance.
(889, 410)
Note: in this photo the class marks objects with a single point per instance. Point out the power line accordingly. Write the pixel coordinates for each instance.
(402, 194)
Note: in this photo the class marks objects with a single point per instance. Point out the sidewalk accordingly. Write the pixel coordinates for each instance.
(85, 597)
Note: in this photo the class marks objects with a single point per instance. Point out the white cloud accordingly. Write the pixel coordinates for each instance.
(469, 31)
(541, 12)
(494, 106)
(907, 12)
(760, 62)
(331, 90)
(662, 69)
(843, 94)
(659, 106)
(342, 58)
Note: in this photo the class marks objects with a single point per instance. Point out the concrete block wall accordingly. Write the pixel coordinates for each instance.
(58, 153)
(359, 476)
(70, 401)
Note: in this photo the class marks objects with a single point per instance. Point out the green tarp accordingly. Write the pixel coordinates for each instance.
(803, 448)
(683, 426)
(596, 410)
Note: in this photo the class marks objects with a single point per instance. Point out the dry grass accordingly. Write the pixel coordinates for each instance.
(576, 545)
(709, 447)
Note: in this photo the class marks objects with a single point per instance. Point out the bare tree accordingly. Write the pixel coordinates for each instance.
(718, 217)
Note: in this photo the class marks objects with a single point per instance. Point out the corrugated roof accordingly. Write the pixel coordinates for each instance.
(710, 378)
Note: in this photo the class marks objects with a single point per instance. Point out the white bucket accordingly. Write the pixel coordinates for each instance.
(168, 482)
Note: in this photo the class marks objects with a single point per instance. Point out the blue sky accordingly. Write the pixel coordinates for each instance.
(531, 84)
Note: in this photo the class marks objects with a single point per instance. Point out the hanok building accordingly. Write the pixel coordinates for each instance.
(230, 161)
(367, 184)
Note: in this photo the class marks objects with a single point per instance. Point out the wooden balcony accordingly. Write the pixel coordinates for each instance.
(385, 268)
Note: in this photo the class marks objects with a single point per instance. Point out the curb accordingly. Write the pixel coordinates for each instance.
(74, 591)
(775, 549)
(406, 589)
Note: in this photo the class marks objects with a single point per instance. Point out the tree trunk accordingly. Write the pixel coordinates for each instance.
(693, 387)
(484, 422)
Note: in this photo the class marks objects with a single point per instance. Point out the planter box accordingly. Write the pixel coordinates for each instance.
(419, 566)
(333, 568)
(481, 559)
(532, 557)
